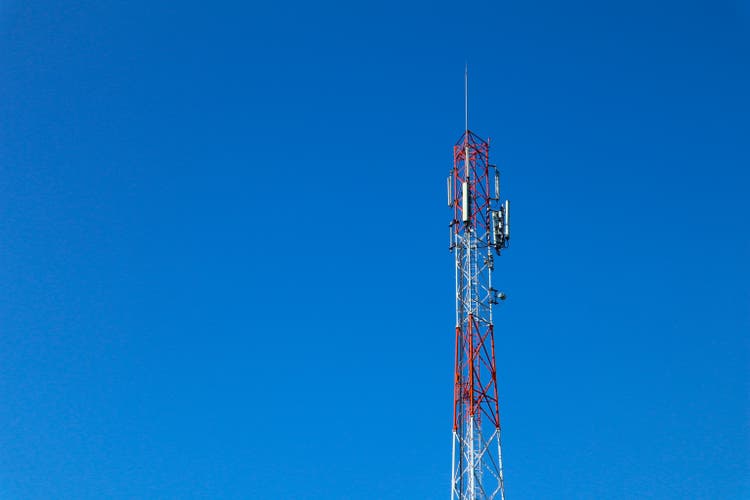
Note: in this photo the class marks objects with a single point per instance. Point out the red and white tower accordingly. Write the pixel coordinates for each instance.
(479, 230)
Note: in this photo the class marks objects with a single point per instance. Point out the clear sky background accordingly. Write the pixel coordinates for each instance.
(224, 269)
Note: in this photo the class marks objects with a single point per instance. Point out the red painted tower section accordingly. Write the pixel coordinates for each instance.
(479, 230)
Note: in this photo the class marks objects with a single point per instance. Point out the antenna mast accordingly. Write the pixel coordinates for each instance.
(479, 231)
(466, 96)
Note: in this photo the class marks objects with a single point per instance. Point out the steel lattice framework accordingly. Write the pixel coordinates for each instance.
(479, 230)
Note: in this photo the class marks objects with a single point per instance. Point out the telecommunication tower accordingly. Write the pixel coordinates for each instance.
(479, 230)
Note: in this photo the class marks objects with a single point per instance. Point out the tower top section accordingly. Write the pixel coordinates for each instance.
(479, 229)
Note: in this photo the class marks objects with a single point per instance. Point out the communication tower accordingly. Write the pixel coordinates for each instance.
(479, 231)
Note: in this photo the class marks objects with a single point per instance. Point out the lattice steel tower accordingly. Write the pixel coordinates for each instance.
(479, 230)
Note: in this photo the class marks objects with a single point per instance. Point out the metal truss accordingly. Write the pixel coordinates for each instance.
(479, 231)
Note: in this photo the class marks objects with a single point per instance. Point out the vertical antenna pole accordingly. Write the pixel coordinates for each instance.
(466, 95)
(466, 112)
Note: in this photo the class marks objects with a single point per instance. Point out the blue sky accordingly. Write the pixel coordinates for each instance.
(223, 247)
